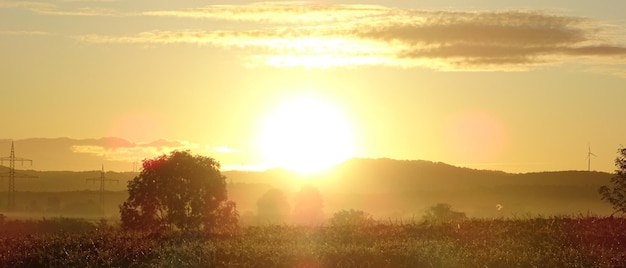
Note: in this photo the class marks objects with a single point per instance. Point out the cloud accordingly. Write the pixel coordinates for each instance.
(163, 143)
(89, 1)
(290, 34)
(117, 149)
(25, 33)
(278, 12)
(52, 9)
(226, 149)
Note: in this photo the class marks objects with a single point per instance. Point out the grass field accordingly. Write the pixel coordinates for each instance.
(536, 242)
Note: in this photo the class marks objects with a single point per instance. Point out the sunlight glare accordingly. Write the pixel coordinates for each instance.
(306, 135)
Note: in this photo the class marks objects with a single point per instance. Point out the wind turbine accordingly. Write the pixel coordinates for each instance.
(589, 155)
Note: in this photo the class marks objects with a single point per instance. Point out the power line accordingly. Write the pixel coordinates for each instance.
(102, 181)
(12, 174)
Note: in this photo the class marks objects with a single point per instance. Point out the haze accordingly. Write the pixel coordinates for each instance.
(501, 85)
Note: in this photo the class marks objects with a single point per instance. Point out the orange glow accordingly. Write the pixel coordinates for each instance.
(137, 126)
(475, 137)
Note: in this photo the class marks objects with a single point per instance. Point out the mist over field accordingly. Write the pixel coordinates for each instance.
(336, 133)
(388, 189)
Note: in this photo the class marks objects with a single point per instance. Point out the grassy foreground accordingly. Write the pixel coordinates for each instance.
(540, 242)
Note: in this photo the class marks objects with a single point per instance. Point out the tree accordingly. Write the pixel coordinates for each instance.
(308, 207)
(443, 213)
(273, 207)
(617, 195)
(178, 190)
(352, 218)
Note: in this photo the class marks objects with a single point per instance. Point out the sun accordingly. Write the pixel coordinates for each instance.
(307, 135)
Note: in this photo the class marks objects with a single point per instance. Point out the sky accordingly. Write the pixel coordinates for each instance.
(518, 86)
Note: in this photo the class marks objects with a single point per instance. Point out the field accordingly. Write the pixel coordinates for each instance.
(532, 242)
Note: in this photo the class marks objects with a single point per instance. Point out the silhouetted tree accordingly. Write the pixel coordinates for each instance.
(181, 190)
(351, 218)
(273, 207)
(308, 207)
(443, 213)
(617, 195)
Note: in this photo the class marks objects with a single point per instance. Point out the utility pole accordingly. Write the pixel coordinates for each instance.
(135, 166)
(12, 175)
(102, 180)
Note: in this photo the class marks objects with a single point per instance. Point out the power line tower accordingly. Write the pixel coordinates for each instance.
(135, 166)
(102, 180)
(12, 174)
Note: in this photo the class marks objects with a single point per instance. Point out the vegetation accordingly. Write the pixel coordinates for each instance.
(178, 190)
(537, 242)
(443, 213)
(617, 194)
(405, 189)
(273, 208)
(351, 218)
(178, 215)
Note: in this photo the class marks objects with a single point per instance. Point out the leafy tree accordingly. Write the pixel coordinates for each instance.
(351, 218)
(308, 207)
(443, 213)
(273, 207)
(178, 190)
(617, 195)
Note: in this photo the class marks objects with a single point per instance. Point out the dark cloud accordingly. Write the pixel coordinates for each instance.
(512, 28)
(340, 35)
(605, 50)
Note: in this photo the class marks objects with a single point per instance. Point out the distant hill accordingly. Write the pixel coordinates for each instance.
(62, 181)
(366, 175)
(354, 175)
(404, 188)
(384, 175)
(384, 187)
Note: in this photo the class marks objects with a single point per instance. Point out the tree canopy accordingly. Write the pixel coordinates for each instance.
(178, 190)
(617, 194)
(273, 207)
(351, 218)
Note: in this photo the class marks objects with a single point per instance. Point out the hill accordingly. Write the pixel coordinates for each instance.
(384, 175)
(354, 175)
(384, 187)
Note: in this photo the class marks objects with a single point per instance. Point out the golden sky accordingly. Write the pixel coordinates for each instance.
(514, 86)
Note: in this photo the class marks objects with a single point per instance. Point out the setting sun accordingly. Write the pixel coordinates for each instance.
(311, 133)
(305, 134)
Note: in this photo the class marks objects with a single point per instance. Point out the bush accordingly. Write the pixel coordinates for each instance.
(443, 213)
(351, 218)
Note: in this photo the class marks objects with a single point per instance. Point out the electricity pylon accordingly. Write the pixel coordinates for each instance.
(102, 180)
(135, 166)
(12, 175)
